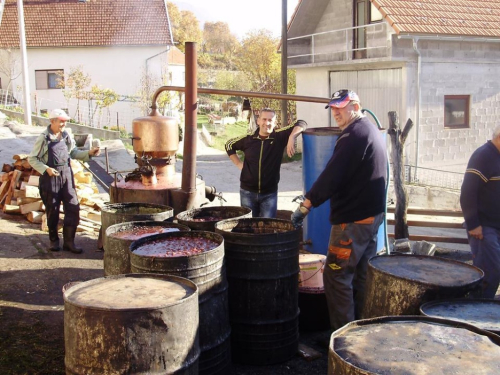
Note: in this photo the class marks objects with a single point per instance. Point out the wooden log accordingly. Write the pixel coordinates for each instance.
(26, 164)
(33, 180)
(4, 188)
(20, 156)
(7, 168)
(15, 179)
(21, 201)
(11, 209)
(19, 193)
(35, 217)
(32, 192)
(5, 177)
(33, 206)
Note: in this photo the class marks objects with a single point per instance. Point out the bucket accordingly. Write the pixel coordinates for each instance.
(400, 284)
(120, 236)
(262, 258)
(412, 345)
(205, 218)
(318, 145)
(140, 324)
(116, 213)
(199, 257)
(311, 272)
(482, 313)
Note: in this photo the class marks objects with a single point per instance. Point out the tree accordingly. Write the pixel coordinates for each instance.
(10, 66)
(148, 84)
(184, 25)
(75, 85)
(104, 98)
(219, 41)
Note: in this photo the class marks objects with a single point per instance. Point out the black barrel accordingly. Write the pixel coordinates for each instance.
(131, 324)
(400, 284)
(116, 213)
(483, 313)
(199, 257)
(120, 236)
(205, 218)
(412, 345)
(262, 269)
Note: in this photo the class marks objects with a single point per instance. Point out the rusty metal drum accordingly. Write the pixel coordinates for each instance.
(198, 256)
(116, 213)
(205, 218)
(120, 236)
(412, 345)
(141, 324)
(262, 258)
(400, 284)
(482, 313)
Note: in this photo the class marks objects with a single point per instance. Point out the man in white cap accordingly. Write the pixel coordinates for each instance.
(51, 158)
(354, 180)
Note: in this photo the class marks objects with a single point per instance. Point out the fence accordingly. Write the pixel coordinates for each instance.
(433, 177)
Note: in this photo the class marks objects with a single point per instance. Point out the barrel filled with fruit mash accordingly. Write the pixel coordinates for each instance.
(199, 257)
(205, 218)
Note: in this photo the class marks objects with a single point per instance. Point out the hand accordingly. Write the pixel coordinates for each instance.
(290, 147)
(94, 151)
(52, 172)
(298, 216)
(477, 232)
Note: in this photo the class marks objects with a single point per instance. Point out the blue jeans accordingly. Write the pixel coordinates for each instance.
(486, 255)
(262, 205)
(351, 246)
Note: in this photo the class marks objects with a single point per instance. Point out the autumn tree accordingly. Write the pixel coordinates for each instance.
(75, 85)
(10, 66)
(104, 98)
(220, 44)
(185, 26)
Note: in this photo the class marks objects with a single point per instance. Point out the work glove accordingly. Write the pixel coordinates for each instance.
(299, 215)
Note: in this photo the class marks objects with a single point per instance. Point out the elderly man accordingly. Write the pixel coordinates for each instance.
(354, 180)
(260, 171)
(480, 201)
(51, 158)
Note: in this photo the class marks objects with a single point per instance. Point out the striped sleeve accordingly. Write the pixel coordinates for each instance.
(234, 144)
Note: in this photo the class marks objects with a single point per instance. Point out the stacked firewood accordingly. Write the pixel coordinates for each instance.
(19, 194)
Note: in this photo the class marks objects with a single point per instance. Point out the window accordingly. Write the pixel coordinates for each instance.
(375, 15)
(49, 79)
(456, 111)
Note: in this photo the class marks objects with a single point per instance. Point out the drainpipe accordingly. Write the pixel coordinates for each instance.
(151, 57)
(419, 96)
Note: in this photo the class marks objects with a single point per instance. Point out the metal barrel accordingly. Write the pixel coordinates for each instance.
(262, 258)
(205, 218)
(205, 268)
(115, 213)
(400, 284)
(482, 313)
(318, 145)
(412, 345)
(140, 324)
(120, 236)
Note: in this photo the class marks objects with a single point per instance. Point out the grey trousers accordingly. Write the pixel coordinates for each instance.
(351, 246)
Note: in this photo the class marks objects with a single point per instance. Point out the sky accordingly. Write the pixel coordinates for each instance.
(241, 16)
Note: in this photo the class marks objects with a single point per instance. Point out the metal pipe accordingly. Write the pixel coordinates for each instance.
(188, 184)
(284, 63)
(419, 97)
(245, 94)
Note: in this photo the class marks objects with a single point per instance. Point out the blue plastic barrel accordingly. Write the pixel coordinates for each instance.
(317, 148)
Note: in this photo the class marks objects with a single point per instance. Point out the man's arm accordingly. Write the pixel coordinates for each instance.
(231, 147)
(35, 158)
(236, 161)
(299, 127)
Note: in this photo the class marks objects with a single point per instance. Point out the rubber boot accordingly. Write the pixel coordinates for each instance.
(54, 240)
(69, 240)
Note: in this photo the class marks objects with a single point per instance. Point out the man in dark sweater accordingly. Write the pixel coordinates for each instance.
(260, 171)
(354, 180)
(480, 201)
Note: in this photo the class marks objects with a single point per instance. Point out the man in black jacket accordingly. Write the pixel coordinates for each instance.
(480, 201)
(355, 181)
(260, 170)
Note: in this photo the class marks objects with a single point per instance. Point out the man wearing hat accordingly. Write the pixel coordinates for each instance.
(51, 158)
(354, 180)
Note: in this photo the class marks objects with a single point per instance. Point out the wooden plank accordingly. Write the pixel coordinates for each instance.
(11, 209)
(5, 177)
(19, 193)
(35, 217)
(430, 224)
(34, 180)
(15, 179)
(22, 201)
(428, 212)
(4, 188)
(33, 206)
(442, 239)
(32, 192)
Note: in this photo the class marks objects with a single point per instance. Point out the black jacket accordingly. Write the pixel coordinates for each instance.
(261, 167)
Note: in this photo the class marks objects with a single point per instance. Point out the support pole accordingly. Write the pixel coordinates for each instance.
(26, 82)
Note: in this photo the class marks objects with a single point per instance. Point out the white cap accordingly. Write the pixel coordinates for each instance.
(58, 113)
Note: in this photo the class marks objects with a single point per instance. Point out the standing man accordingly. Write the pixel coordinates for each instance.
(480, 201)
(355, 182)
(260, 171)
(51, 158)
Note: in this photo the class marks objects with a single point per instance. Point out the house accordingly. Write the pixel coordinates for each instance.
(436, 62)
(115, 42)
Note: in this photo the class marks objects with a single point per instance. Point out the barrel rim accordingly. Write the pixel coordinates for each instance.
(148, 223)
(183, 280)
(464, 301)
(108, 206)
(218, 226)
(419, 282)
(322, 131)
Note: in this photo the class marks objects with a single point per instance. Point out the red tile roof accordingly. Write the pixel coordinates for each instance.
(478, 18)
(71, 23)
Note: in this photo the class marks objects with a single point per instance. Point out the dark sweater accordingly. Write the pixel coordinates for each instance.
(261, 167)
(480, 195)
(355, 177)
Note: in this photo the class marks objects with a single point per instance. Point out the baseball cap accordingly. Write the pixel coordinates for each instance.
(341, 98)
(58, 113)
